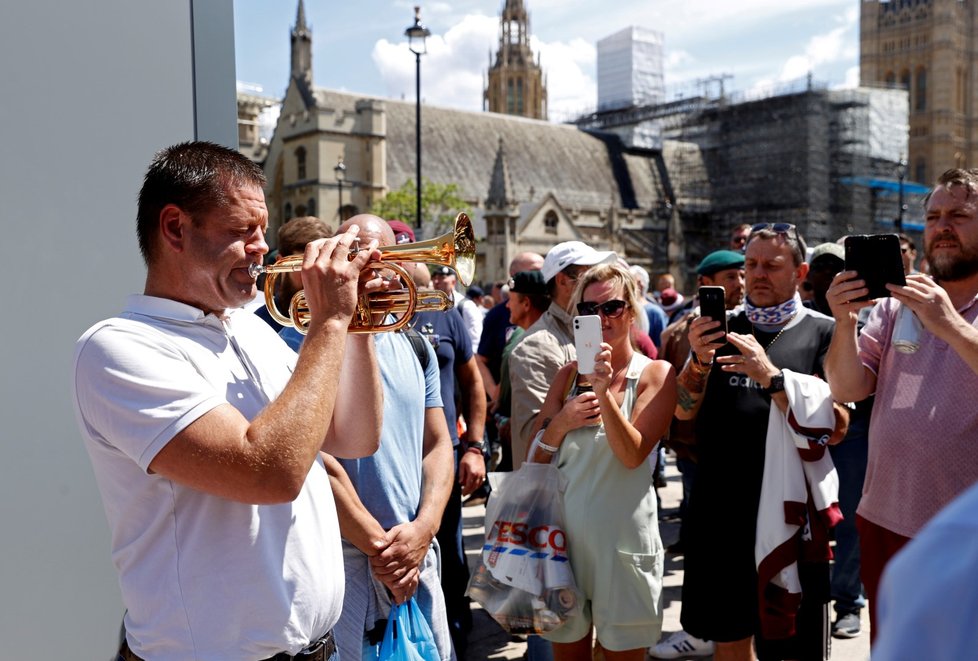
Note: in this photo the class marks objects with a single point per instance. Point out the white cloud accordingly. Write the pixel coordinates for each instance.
(571, 88)
(454, 69)
(451, 71)
(852, 78)
(838, 44)
(676, 58)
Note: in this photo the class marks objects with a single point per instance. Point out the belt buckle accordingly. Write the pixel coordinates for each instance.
(321, 650)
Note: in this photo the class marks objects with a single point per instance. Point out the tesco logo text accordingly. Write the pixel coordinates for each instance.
(539, 537)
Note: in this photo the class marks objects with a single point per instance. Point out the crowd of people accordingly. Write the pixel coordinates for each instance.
(242, 463)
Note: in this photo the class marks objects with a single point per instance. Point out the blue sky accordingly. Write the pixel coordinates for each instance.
(359, 44)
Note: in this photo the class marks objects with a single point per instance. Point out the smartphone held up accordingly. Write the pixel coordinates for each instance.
(713, 306)
(587, 341)
(878, 261)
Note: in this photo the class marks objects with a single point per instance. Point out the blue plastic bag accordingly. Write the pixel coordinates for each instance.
(408, 636)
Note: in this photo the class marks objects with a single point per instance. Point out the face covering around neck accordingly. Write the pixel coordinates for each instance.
(774, 315)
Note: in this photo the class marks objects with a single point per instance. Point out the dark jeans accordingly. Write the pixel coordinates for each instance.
(849, 457)
(454, 568)
(687, 467)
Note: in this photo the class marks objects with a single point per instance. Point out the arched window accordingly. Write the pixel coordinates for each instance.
(550, 222)
(920, 94)
(890, 79)
(300, 163)
(519, 96)
(905, 79)
(510, 97)
(287, 211)
(920, 170)
(311, 207)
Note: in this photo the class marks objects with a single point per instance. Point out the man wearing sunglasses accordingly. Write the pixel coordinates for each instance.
(733, 385)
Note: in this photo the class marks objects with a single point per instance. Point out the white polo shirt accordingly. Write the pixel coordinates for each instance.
(202, 577)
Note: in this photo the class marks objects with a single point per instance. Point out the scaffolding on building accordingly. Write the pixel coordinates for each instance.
(789, 153)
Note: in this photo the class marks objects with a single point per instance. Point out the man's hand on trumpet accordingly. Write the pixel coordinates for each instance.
(333, 276)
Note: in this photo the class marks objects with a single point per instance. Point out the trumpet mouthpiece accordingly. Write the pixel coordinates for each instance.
(255, 270)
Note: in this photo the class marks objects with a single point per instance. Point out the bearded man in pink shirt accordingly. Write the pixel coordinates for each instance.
(924, 421)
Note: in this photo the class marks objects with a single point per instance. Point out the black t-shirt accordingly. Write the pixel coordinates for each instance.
(496, 331)
(731, 426)
(720, 585)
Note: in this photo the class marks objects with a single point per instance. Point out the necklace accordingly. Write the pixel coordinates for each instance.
(753, 331)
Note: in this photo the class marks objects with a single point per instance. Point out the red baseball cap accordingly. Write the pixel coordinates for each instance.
(402, 231)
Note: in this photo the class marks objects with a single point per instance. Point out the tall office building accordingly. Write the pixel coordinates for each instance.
(630, 69)
(927, 47)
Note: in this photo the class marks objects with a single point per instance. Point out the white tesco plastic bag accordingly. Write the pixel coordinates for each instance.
(524, 578)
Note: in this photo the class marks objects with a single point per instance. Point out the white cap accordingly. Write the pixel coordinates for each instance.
(577, 253)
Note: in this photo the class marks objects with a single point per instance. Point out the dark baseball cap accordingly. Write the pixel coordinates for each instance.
(528, 282)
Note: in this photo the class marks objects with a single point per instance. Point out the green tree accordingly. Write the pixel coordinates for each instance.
(440, 203)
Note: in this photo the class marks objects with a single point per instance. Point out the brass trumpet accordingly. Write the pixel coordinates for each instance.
(455, 249)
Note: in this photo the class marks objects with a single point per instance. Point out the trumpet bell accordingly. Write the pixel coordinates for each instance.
(454, 249)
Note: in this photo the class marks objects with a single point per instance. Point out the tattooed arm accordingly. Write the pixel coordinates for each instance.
(690, 386)
(691, 382)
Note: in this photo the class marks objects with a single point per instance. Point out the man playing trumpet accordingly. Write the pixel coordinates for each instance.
(204, 429)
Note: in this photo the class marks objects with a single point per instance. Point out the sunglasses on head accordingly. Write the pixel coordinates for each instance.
(777, 228)
(610, 309)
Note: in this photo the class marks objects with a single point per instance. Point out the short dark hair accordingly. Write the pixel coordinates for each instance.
(967, 177)
(793, 238)
(906, 239)
(194, 176)
(296, 233)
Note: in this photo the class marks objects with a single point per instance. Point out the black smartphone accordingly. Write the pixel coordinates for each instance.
(877, 260)
(713, 305)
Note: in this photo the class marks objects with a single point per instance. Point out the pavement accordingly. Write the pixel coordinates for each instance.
(487, 640)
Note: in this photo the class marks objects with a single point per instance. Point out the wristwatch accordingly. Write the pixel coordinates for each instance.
(475, 445)
(777, 384)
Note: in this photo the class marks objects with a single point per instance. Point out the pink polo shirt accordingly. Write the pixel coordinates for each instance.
(923, 436)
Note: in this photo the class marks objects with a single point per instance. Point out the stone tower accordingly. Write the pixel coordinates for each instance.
(516, 84)
(925, 47)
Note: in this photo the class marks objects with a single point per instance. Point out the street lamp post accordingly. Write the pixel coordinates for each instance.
(901, 175)
(340, 172)
(417, 35)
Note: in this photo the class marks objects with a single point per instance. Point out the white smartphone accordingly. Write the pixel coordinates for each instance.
(587, 341)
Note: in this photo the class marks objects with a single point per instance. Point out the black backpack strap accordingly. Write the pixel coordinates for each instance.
(418, 344)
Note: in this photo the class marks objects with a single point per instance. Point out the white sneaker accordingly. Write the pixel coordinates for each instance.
(680, 645)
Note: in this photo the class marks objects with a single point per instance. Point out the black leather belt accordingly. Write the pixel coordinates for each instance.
(321, 650)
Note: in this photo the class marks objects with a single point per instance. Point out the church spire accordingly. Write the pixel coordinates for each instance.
(302, 49)
(500, 185)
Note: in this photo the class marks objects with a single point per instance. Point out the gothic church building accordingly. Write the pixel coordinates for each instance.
(530, 184)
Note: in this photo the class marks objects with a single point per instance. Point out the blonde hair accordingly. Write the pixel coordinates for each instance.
(614, 274)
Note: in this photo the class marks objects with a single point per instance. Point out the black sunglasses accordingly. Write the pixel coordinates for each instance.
(777, 228)
(610, 309)
(786, 230)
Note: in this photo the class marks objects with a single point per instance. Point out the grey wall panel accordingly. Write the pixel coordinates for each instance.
(90, 91)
